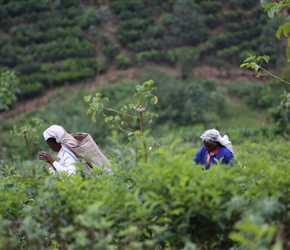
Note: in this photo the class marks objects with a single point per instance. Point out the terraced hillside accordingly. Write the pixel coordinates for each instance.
(50, 43)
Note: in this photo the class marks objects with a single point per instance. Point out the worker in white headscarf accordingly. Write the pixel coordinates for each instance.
(66, 159)
(215, 149)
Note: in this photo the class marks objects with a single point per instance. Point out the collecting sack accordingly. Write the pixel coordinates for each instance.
(85, 148)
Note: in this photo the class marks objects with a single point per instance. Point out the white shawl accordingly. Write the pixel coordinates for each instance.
(214, 135)
(54, 131)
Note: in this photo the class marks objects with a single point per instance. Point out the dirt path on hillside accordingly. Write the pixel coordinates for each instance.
(226, 76)
(113, 76)
(23, 106)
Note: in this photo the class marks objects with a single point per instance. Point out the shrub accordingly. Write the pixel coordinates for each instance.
(91, 16)
(135, 24)
(175, 55)
(72, 76)
(131, 6)
(280, 116)
(159, 204)
(145, 45)
(246, 53)
(29, 90)
(127, 15)
(165, 19)
(33, 17)
(9, 88)
(170, 42)
(154, 32)
(228, 52)
(61, 49)
(130, 36)
(145, 56)
(9, 56)
(110, 51)
(194, 101)
(70, 5)
(185, 58)
(187, 23)
(233, 26)
(102, 64)
(122, 62)
(210, 7)
(213, 20)
(18, 8)
(230, 16)
(3, 41)
(51, 74)
(27, 68)
(257, 95)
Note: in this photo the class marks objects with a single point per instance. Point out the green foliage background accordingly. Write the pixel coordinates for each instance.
(166, 202)
(52, 43)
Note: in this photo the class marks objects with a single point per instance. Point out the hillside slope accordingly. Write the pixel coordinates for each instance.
(54, 43)
(112, 75)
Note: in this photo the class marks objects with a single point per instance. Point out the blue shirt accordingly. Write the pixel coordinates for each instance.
(224, 155)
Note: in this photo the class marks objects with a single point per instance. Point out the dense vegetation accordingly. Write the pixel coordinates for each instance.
(157, 197)
(51, 43)
(165, 202)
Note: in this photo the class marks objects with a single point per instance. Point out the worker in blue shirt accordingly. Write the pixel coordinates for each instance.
(215, 149)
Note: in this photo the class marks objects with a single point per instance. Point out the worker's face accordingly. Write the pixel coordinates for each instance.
(210, 146)
(53, 145)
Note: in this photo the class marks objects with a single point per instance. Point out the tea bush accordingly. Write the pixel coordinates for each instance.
(46, 32)
(145, 45)
(167, 203)
(122, 62)
(162, 202)
(188, 24)
(145, 56)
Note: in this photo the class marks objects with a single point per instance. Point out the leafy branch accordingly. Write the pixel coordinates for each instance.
(135, 111)
(272, 8)
(255, 63)
(29, 132)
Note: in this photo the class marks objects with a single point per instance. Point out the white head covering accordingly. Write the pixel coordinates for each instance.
(213, 135)
(54, 131)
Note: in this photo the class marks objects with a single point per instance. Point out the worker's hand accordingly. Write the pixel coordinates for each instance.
(44, 156)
